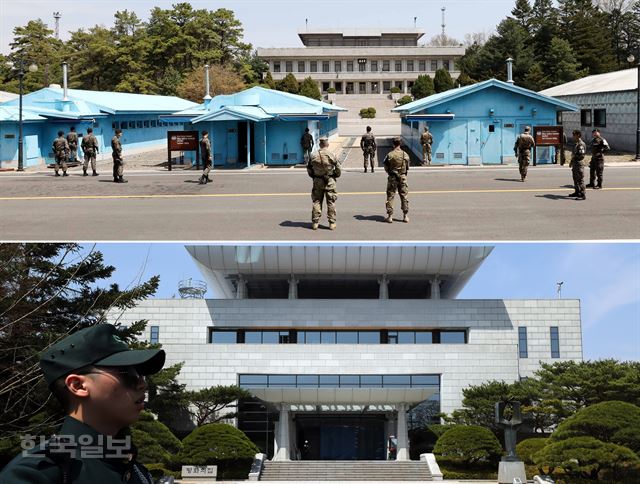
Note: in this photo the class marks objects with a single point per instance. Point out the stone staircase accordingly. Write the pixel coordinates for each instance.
(351, 470)
(385, 123)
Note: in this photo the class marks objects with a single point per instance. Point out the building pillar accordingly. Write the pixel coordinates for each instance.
(403, 437)
(241, 290)
(435, 288)
(293, 287)
(282, 434)
(390, 431)
(384, 287)
(248, 144)
(264, 140)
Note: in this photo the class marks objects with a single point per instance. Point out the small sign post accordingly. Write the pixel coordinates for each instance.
(182, 141)
(546, 136)
(200, 471)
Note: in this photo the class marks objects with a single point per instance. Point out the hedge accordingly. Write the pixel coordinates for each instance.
(528, 447)
(469, 444)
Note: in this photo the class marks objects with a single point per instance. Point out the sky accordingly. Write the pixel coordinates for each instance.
(272, 23)
(605, 277)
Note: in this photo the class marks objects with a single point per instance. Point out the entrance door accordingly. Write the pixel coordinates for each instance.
(491, 148)
(242, 141)
(362, 87)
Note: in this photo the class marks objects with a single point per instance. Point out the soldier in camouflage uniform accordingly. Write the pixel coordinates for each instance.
(307, 145)
(324, 168)
(207, 160)
(596, 167)
(426, 140)
(89, 146)
(522, 149)
(118, 162)
(396, 164)
(577, 164)
(368, 147)
(72, 139)
(61, 154)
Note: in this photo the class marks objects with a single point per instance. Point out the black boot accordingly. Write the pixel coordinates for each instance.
(122, 180)
(589, 185)
(95, 173)
(202, 180)
(64, 173)
(84, 172)
(209, 179)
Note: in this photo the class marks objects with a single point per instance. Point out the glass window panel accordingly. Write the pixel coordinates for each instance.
(393, 337)
(522, 342)
(434, 65)
(374, 66)
(283, 337)
(282, 380)
(347, 337)
(224, 337)
(289, 66)
(270, 337)
(371, 381)
(368, 337)
(313, 66)
(424, 337)
(405, 337)
(329, 381)
(452, 337)
(301, 66)
(253, 380)
(312, 337)
(385, 65)
(337, 66)
(308, 381)
(555, 342)
(325, 66)
(253, 337)
(349, 381)
(424, 380)
(396, 380)
(328, 337)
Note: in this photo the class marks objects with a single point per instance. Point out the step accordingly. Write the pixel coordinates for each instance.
(345, 471)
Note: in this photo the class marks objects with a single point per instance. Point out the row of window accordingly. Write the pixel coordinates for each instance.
(373, 87)
(554, 339)
(338, 381)
(293, 336)
(140, 124)
(363, 65)
(595, 117)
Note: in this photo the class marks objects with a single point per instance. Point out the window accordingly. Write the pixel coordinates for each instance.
(132, 124)
(270, 337)
(337, 66)
(522, 342)
(452, 337)
(325, 66)
(445, 65)
(434, 65)
(288, 66)
(338, 86)
(600, 118)
(313, 66)
(374, 66)
(406, 337)
(398, 66)
(422, 66)
(340, 381)
(146, 124)
(301, 66)
(309, 337)
(222, 337)
(386, 66)
(349, 381)
(328, 337)
(555, 342)
(368, 337)
(349, 66)
(347, 337)
(282, 381)
(276, 66)
(114, 125)
(326, 86)
(386, 86)
(585, 117)
(155, 335)
(253, 337)
(392, 338)
(410, 65)
(424, 337)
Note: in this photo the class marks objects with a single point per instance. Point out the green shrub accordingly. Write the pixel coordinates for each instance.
(439, 429)
(528, 447)
(222, 445)
(395, 90)
(331, 90)
(470, 444)
(158, 471)
(586, 457)
(614, 422)
(149, 450)
(159, 431)
(368, 113)
(405, 100)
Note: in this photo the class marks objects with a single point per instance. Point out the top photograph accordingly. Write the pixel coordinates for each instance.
(320, 121)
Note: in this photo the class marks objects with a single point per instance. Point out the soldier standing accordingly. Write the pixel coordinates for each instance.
(89, 146)
(426, 140)
(205, 154)
(596, 167)
(61, 154)
(324, 168)
(522, 149)
(72, 139)
(368, 147)
(101, 385)
(396, 164)
(577, 166)
(307, 145)
(118, 162)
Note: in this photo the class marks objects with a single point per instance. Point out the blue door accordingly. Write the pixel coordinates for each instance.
(440, 153)
(491, 142)
(458, 143)
(474, 128)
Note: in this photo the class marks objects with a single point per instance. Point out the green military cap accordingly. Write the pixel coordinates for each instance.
(97, 345)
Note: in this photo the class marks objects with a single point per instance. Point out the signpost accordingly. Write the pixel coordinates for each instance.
(182, 141)
(547, 136)
(200, 471)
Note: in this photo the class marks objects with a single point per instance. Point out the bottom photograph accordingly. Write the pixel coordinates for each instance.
(185, 362)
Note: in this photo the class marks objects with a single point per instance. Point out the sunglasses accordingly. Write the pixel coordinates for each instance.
(129, 376)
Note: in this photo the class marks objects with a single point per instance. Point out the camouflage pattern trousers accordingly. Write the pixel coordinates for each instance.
(426, 153)
(319, 192)
(207, 168)
(596, 170)
(397, 184)
(306, 154)
(523, 162)
(61, 162)
(578, 178)
(89, 157)
(73, 152)
(118, 167)
(369, 155)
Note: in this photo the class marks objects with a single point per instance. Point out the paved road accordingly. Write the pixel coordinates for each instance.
(460, 204)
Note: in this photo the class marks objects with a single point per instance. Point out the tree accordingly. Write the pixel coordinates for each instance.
(527, 448)
(229, 32)
(423, 87)
(544, 26)
(209, 402)
(442, 81)
(523, 13)
(443, 40)
(469, 444)
(562, 64)
(309, 88)
(479, 404)
(222, 80)
(268, 80)
(158, 431)
(288, 84)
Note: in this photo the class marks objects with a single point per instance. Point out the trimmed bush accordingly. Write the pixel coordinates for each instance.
(159, 431)
(405, 100)
(528, 447)
(439, 429)
(586, 457)
(469, 444)
(331, 90)
(149, 450)
(395, 90)
(158, 471)
(222, 445)
(368, 113)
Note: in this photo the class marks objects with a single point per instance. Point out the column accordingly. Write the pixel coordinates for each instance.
(241, 290)
(282, 434)
(248, 144)
(390, 430)
(293, 287)
(435, 288)
(403, 439)
(384, 287)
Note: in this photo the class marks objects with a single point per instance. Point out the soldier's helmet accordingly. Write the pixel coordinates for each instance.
(60, 133)
(527, 129)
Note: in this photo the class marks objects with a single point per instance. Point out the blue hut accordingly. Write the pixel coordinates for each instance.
(478, 124)
(260, 125)
(51, 109)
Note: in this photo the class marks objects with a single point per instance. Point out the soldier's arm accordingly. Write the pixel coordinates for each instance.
(375, 145)
(362, 143)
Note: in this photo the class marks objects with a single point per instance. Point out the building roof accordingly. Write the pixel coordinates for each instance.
(455, 265)
(625, 80)
(11, 114)
(441, 97)
(361, 32)
(7, 96)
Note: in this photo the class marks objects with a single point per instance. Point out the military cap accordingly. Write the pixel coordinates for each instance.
(324, 138)
(527, 128)
(97, 345)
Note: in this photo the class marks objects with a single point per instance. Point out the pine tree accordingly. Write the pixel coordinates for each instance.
(289, 84)
(563, 66)
(442, 81)
(309, 88)
(269, 81)
(523, 13)
(423, 87)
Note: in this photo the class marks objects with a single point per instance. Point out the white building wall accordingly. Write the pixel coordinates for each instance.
(491, 352)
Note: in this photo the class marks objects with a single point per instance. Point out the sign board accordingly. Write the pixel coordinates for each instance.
(547, 135)
(200, 471)
(183, 140)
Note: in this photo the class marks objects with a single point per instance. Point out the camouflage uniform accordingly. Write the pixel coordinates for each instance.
(426, 140)
(522, 148)
(368, 146)
(596, 166)
(577, 164)
(207, 160)
(396, 164)
(72, 139)
(89, 146)
(118, 162)
(307, 145)
(61, 153)
(324, 169)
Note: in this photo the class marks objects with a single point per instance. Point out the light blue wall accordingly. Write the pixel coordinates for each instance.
(281, 133)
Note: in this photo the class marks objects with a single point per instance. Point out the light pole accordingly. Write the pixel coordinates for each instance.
(20, 67)
(631, 58)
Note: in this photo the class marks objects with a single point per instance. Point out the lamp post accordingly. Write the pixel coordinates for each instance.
(20, 68)
(631, 58)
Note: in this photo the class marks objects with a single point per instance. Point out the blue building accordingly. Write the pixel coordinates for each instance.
(478, 124)
(49, 110)
(260, 125)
